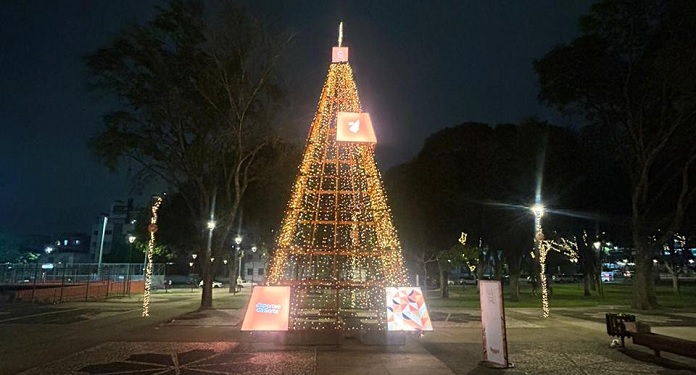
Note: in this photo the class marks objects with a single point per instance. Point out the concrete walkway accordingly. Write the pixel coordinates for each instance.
(173, 341)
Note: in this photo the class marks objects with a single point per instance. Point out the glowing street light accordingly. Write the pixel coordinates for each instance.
(538, 210)
(211, 224)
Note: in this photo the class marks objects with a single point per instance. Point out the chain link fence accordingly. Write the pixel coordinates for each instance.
(56, 283)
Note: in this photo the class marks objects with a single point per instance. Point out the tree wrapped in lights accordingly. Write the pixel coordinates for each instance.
(568, 248)
(337, 247)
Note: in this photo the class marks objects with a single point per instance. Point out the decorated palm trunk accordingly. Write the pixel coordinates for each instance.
(338, 249)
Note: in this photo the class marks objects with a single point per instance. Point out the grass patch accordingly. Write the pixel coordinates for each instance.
(566, 295)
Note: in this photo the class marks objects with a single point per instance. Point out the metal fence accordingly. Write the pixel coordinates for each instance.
(55, 283)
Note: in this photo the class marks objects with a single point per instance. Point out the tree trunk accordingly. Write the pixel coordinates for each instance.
(643, 283)
(586, 283)
(479, 273)
(514, 287)
(207, 293)
(231, 271)
(514, 269)
(675, 283)
(444, 283)
(675, 278)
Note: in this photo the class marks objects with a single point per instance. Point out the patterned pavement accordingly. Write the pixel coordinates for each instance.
(178, 358)
(572, 341)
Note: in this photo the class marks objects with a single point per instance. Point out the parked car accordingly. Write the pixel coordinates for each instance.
(467, 280)
(563, 278)
(216, 284)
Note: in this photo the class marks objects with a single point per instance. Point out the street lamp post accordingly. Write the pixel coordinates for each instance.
(131, 239)
(101, 246)
(193, 269)
(253, 250)
(598, 254)
(538, 211)
(238, 277)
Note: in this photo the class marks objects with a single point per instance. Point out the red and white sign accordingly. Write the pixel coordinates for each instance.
(268, 310)
(354, 127)
(339, 54)
(493, 324)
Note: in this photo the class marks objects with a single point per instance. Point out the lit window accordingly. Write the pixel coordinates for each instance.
(77, 242)
(65, 242)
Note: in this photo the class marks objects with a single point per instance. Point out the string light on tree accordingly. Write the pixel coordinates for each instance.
(152, 228)
(563, 246)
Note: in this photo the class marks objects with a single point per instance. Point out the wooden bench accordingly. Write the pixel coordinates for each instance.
(616, 325)
(669, 344)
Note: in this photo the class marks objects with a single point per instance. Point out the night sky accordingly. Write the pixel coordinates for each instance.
(419, 67)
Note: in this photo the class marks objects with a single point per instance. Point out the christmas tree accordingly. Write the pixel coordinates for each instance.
(337, 247)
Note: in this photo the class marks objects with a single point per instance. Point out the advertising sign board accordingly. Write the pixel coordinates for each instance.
(493, 324)
(269, 309)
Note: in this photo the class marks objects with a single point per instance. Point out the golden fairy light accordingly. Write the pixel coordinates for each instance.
(152, 228)
(562, 246)
(337, 245)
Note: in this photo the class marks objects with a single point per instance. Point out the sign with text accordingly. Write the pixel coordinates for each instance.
(339, 54)
(493, 324)
(268, 310)
(354, 127)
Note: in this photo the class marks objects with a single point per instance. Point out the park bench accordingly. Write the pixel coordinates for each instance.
(641, 335)
(625, 325)
(616, 325)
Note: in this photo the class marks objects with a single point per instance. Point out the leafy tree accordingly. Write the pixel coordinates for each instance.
(448, 260)
(629, 74)
(480, 180)
(11, 252)
(198, 102)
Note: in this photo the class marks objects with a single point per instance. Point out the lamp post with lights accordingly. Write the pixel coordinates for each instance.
(598, 254)
(237, 275)
(540, 255)
(538, 211)
(131, 239)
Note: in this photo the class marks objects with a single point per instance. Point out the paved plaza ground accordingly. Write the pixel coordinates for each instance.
(111, 338)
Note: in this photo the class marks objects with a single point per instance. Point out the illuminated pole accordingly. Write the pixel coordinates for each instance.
(131, 239)
(101, 247)
(540, 253)
(598, 252)
(238, 241)
(253, 250)
(152, 228)
(208, 267)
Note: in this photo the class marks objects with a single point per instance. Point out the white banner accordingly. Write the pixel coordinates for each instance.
(493, 324)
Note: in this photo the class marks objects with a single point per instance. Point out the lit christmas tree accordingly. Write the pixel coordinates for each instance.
(337, 248)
